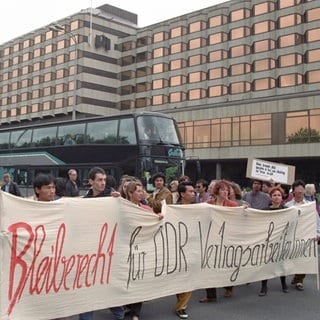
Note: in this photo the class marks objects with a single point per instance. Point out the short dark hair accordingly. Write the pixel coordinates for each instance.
(158, 175)
(267, 183)
(298, 183)
(94, 171)
(204, 183)
(43, 179)
(257, 180)
(182, 187)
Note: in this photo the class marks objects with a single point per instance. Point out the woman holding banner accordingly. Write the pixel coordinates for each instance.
(220, 197)
(276, 195)
(136, 194)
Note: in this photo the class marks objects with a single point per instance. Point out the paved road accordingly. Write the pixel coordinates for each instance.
(245, 304)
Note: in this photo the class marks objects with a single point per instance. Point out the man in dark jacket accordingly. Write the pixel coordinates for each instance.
(71, 189)
(99, 188)
(10, 186)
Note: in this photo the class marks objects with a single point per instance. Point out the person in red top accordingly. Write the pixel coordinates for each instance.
(220, 192)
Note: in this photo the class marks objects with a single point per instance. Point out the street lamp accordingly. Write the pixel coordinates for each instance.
(60, 28)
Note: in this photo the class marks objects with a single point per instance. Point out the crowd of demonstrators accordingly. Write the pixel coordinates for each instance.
(181, 191)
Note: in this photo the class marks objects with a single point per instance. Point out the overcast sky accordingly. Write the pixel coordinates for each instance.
(19, 17)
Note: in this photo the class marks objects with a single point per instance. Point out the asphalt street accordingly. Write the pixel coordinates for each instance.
(245, 304)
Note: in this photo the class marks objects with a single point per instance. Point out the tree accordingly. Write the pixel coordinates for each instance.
(304, 135)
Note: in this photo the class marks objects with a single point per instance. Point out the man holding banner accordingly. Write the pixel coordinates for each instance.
(187, 195)
(99, 188)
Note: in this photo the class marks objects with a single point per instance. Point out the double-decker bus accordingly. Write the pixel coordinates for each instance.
(138, 144)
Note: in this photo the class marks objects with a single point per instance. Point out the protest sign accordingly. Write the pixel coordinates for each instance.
(74, 255)
(267, 171)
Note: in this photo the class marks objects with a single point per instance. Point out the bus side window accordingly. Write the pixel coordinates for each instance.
(4, 140)
(127, 132)
(21, 138)
(44, 137)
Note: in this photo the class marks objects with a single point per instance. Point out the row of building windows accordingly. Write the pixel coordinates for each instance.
(302, 126)
(37, 93)
(221, 72)
(284, 41)
(35, 80)
(38, 65)
(47, 35)
(283, 81)
(37, 107)
(239, 14)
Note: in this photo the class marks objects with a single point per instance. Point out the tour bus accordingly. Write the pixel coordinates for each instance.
(138, 144)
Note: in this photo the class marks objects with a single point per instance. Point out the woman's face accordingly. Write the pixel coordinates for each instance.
(124, 186)
(223, 192)
(173, 187)
(232, 195)
(276, 198)
(137, 195)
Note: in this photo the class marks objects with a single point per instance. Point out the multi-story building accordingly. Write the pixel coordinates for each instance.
(241, 78)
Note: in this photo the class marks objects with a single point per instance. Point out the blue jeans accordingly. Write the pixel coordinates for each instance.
(86, 316)
(118, 312)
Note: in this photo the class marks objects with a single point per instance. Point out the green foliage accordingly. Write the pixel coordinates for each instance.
(304, 135)
(171, 173)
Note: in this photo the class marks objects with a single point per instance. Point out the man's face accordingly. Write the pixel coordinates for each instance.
(298, 193)
(256, 186)
(158, 183)
(6, 179)
(99, 183)
(47, 192)
(265, 188)
(73, 175)
(188, 196)
(200, 188)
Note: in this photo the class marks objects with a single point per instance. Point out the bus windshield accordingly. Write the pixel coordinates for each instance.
(157, 129)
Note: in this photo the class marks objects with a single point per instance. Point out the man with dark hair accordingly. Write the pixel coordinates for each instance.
(10, 186)
(160, 193)
(202, 194)
(98, 182)
(71, 188)
(186, 196)
(99, 188)
(44, 187)
(266, 186)
(256, 198)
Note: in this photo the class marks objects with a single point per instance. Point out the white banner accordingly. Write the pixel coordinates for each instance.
(74, 255)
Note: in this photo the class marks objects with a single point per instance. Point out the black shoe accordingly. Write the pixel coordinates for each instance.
(263, 292)
(285, 288)
(182, 314)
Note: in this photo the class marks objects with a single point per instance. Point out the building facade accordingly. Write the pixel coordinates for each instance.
(241, 78)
